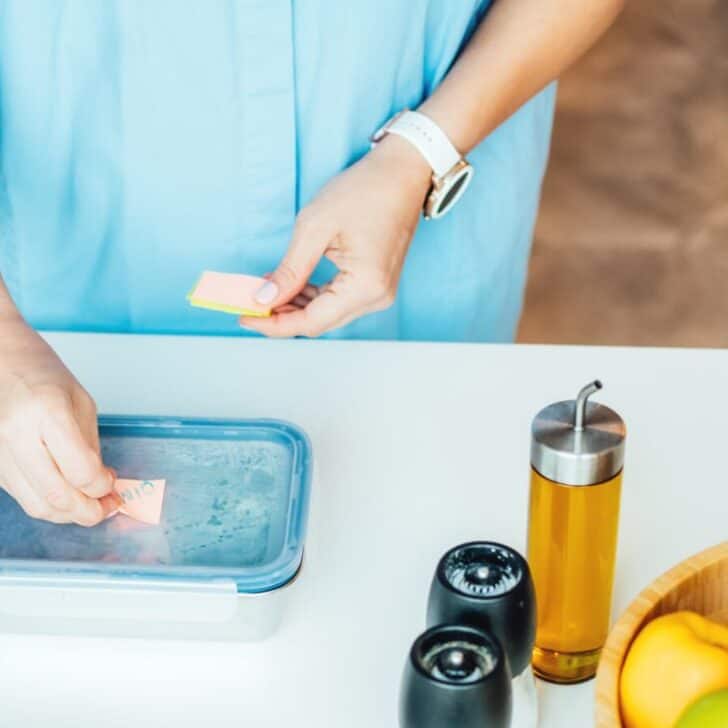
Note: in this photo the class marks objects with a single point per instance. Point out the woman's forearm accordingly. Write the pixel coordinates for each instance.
(520, 47)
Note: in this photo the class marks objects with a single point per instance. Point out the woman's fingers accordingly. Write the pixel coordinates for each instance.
(316, 310)
(111, 503)
(44, 478)
(311, 236)
(310, 292)
(86, 416)
(16, 484)
(49, 450)
(300, 301)
(78, 461)
(335, 305)
(310, 321)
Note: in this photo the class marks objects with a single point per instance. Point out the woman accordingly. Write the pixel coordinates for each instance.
(141, 143)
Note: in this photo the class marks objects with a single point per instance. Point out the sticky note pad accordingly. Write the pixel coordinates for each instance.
(229, 293)
(142, 499)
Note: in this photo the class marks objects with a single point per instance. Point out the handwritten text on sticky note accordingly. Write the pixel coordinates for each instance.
(142, 499)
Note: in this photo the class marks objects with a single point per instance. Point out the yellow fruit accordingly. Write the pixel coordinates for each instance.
(674, 660)
(711, 711)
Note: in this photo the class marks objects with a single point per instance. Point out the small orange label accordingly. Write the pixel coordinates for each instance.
(142, 499)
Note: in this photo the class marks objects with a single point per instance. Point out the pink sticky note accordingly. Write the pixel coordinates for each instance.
(228, 292)
(142, 499)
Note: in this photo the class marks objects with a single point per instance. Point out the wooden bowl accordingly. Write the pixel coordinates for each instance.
(699, 584)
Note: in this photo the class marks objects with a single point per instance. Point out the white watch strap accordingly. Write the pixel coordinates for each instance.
(430, 140)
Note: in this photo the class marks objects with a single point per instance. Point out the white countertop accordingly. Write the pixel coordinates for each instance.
(418, 447)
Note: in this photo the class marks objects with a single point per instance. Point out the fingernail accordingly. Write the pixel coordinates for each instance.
(112, 503)
(267, 293)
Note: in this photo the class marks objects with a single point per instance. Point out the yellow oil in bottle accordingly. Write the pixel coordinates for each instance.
(572, 544)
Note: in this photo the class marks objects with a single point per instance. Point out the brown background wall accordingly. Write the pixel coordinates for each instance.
(632, 240)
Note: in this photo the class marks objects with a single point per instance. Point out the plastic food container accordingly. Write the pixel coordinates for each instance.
(218, 566)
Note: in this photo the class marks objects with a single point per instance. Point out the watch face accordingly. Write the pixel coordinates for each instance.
(450, 192)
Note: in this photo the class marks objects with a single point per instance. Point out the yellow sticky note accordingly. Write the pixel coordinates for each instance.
(142, 499)
(229, 293)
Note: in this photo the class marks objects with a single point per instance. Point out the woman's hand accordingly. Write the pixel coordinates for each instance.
(49, 446)
(363, 221)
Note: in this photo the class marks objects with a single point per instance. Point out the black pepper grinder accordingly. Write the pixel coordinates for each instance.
(488, 586)
(456, 676)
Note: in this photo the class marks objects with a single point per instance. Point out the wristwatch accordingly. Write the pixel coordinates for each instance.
(451, 172)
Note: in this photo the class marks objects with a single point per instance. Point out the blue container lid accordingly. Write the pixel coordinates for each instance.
(235, 508)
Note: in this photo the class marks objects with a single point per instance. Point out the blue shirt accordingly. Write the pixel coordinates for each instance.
(142, 142)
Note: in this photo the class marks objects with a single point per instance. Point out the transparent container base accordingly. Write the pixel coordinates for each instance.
(565, 668)
(525, 701)
(92, 608)
(218, 565)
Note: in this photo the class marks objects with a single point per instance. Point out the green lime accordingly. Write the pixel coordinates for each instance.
(710, 711)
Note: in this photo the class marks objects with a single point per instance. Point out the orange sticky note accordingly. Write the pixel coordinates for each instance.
(229, 293)
(142, 499)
